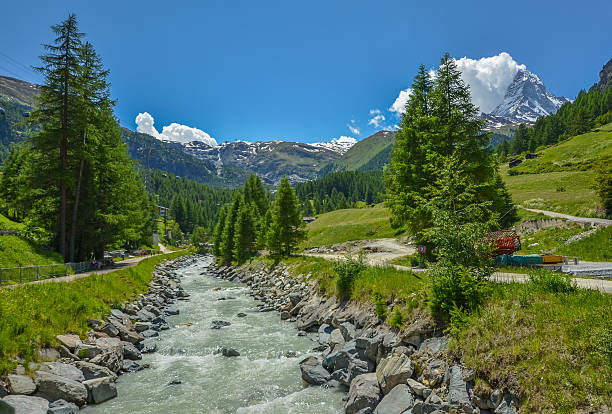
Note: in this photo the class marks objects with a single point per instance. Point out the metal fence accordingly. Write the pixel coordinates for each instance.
(31, 273)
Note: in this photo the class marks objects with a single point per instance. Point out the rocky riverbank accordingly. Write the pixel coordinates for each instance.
(384, 371)
(84, 371)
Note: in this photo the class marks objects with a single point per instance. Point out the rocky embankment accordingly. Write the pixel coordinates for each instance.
(85, 370)
(384, 371)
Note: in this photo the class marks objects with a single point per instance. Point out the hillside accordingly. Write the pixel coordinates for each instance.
(561, 177)
(18, 91)
(361, 153)
(350, 224)
(19, 251)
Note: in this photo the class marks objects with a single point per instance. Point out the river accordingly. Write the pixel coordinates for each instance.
(261, 380)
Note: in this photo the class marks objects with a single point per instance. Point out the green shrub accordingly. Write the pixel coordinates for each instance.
(380, 304)
(455, 288)
(547, 281)
(397, 318)
(348, 270)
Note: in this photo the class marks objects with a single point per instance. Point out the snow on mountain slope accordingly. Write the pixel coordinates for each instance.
(527, 99)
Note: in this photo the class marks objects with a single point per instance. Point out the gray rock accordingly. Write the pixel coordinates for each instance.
(355, 368)
(24, 404)
(324, 331)
(336, 360)
(398, 400)
(112, 353)
(366, 410)
(219, 324)
(457, 389)
(131, 352)
(363, 393)
(295, 297)
(171, 310)
(109, 329)
(101, 389)
(348, 331)
(48, 354)
(416, 387)
(495, 399)
(434, 345)
(89, 351)
(508, 405)
(393, 370)
(131, 366)
(285, 315)
(313, 371)
(336, 338)
(92, 371)
(141, 326)
(20, 384)
(55, 387)
(118, 314)
(63, 370)
(421, 407)
(370, 346)
(148, 348)
(144, 316)
(70, 341)
(66, 353)
(3, 391)
(62, 407)
(228, 352)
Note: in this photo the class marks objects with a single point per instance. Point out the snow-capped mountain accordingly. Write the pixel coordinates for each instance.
(339, 145)
(526, 100)
(271, 160)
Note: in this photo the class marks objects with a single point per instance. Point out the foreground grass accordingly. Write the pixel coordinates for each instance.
(32, 315)
(350, 224)
(596, 247)
(554, 350)
(16, 251)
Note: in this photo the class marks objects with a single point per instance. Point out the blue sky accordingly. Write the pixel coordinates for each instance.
(261, 70)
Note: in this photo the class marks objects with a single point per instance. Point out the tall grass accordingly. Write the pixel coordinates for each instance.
(32, 315)
(16, 251)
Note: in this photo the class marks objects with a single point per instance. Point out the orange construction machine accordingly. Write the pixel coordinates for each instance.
(505, 242)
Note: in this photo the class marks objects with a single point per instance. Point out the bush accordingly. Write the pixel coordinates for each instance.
(455, 288)
(348, 270)
(397, 318)
(547, 281)
(380, 304)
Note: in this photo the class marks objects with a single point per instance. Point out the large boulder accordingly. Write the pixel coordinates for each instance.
(398, 400)
(348, 331)
(24, 404)
(131, 352)
(63, 407)
(417, 388)
(20, 384)
(393, 370)
(336, 338)
(112, 354)
(313, 371)
(364, 393)
(101, 389)
(370, 346)
(63, 370)
(55, 387)
(91, 371)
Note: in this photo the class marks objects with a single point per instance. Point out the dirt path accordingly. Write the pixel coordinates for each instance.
(587, 220)
(164, 249)
(379, 252)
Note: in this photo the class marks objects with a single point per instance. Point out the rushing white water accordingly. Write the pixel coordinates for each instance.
(261, 380)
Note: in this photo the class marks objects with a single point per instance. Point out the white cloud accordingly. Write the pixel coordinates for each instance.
(173, 132)
(377, 118)
(399, 106)
(489, 78)
(353, 128)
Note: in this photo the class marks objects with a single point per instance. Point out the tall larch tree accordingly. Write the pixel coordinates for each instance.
(286, 229)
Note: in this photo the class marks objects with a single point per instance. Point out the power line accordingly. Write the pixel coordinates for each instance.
(16, 62)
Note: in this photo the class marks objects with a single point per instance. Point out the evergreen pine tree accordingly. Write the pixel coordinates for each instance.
(286, 229)
(244, 233)
(227, 238)
(218, 233)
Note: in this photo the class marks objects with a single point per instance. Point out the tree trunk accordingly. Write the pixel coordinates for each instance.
(75, 212)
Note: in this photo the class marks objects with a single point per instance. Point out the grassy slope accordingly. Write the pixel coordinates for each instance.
(567, 167)
(363, 151)
(349, 224)
(17, 251)
(553, 349)
(32, 315)
(596, 247)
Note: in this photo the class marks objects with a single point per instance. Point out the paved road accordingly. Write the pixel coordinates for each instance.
(587, 220)
(603, 285)
(117, 266)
